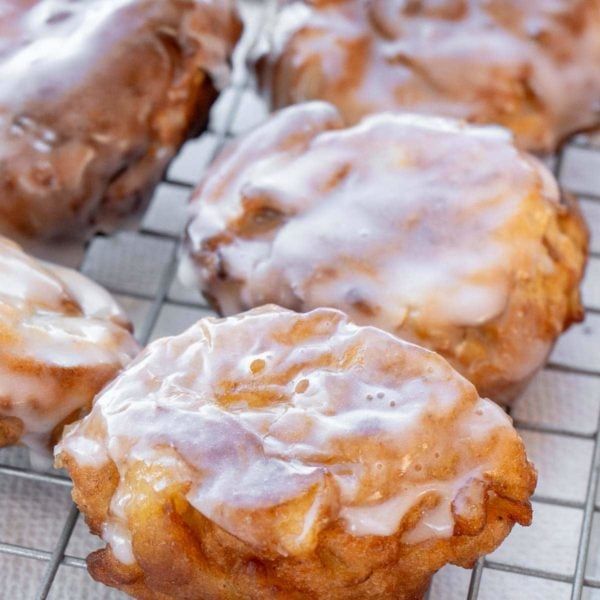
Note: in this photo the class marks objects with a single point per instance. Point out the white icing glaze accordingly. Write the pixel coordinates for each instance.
(488, 61)
(320, 419)
(61, 336)
(421, 226)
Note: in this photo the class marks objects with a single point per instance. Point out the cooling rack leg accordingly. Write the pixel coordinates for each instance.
(588, 516)
(58, 553)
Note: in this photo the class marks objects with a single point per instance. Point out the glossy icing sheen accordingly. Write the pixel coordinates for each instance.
(97, 96)
(421, 226)
(61, 338)
(279, 425)
(497, 61)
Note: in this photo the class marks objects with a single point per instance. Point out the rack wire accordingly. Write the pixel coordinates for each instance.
(43, 541)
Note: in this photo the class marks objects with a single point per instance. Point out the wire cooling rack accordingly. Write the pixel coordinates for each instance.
(43, 540)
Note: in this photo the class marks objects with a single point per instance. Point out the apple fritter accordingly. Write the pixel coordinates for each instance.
(442, 233)
(532, 66)
(283, 455)
(62, 338)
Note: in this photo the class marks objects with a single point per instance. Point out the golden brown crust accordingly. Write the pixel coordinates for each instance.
(11, 430)
(221, 568)
(140, 461)
(541, 306)
(88, 130)
(211, 564)
(488, 62)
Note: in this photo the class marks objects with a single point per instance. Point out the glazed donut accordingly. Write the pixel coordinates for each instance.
(62, 337)
(283, 455)
(439, 232)
(97, 97)
(532, 66)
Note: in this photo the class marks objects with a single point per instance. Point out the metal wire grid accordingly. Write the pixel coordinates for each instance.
(559, 417)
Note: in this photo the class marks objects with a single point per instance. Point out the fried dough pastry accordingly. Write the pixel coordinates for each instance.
(439, 232)
(62, 337)
(283, 455)
(96, 98)
(532, 66)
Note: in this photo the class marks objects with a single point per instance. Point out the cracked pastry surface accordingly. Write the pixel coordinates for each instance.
(488, 61)
(442, 233)
(96, 98)
(283, 455)
(62, 337)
